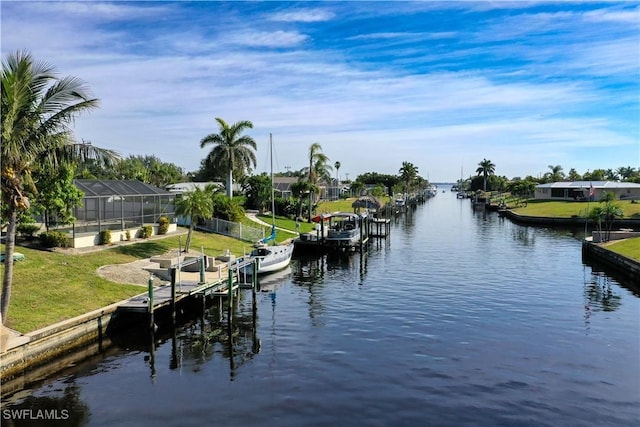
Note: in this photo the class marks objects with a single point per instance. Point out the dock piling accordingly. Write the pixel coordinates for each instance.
(230, 296)
(173, 295)
(150, 310)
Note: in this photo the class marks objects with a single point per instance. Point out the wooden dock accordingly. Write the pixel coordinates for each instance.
(184, 284)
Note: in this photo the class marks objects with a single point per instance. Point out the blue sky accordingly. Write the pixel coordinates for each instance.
(442, 85)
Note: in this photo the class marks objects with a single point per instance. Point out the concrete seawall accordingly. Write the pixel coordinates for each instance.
(55, 342)
(563, 221)
(628, 267)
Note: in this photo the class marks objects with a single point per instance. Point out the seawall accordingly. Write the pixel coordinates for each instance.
(563, 221)
(626, 266)
(53, 344)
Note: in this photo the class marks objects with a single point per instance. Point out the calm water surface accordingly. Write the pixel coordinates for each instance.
(459, 318)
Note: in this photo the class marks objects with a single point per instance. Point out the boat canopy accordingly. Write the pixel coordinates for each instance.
(366, 202)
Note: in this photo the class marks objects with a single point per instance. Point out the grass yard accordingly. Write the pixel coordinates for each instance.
(627, 247)
(342, 205)
(568, 209)
(49, 287)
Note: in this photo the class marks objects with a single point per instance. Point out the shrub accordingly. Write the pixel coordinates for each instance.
(28, 230)
(145, 231)
(163, 225)
(52, 239)
(105, 237)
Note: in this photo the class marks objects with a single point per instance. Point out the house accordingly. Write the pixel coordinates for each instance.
(587, 190)
(282, 185)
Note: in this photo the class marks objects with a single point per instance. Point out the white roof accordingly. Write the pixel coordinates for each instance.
(184, 187)
(609, 185)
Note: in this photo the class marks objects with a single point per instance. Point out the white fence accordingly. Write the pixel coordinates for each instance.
(232, 229)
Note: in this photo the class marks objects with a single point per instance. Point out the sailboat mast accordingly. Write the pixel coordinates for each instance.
(273, 202)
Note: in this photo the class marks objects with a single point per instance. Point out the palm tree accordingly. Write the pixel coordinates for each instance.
(556, 173)
(318, 168)
(337, 166)
(574, 175)
(408, 175)
(485, 168)
(625, 172)
(194, 205)
(37, 110)
(232, 150)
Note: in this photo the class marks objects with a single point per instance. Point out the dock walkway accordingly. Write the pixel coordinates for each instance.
(189, 283)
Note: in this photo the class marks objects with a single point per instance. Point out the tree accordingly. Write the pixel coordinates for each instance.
(574, 175)
(258, 191)
(596, 175)
(57, 195)
(337, 166)
(607, 212)
(556, 173)
(485, 168)
(37, 110)
(318, 169)
(194, 205)
(408, 175)
(372, 178)
(227, 208)
(232, 151)
(356, 188)
(626, 172)
(148, 169)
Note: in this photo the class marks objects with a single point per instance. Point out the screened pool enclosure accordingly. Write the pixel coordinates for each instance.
(119, 205)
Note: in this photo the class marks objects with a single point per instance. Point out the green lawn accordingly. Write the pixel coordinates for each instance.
(628, 247)
(49, 287)
(568, 209)
(343, 205)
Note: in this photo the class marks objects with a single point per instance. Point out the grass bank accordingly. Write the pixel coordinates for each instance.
(49, 287)
(343, 205)
(569, 209)
(627, 247)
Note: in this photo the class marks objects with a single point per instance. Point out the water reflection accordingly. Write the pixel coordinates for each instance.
(524, 235)
(196, 341)
(600, 295)
(64, 408)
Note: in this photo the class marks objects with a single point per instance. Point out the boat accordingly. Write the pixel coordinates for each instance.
(273, 257)
(345, 230)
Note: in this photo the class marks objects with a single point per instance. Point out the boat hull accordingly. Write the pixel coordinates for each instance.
(275, 258)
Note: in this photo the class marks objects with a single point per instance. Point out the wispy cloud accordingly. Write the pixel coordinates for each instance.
(267, 39)
(303, 15)
(526, 86)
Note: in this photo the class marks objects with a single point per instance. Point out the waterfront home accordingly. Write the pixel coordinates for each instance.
(587, 190)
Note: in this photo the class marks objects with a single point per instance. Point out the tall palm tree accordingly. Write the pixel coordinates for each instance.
(485, 168)
(37, 110)
(195, 205)
(337, 166)
(408, 175)
(625, 172)
(556, 173)
(232, 150)
(318, 169)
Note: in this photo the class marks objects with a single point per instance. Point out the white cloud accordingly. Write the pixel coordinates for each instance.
(305, 15)
(267, 39)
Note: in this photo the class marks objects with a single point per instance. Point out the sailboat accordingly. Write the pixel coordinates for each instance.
(272, 257)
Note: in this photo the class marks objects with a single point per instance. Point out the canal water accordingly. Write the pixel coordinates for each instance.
(458, 318)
